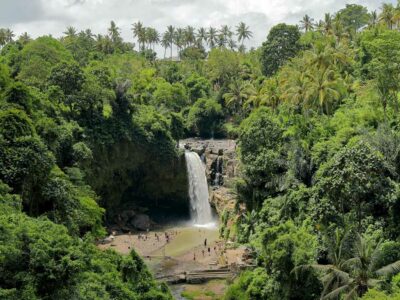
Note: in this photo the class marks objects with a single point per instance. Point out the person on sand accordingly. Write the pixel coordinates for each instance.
(194, 256)
(202, 251)
(205, 243)
(209, 251)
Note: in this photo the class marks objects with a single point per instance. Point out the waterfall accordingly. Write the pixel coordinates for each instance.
(218, 171)
(198, 190)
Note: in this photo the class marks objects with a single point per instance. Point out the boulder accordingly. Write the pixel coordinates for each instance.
(141, 222)
(127, 214)
(108, 239)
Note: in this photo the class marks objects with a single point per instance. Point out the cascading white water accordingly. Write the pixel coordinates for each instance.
(198, 190)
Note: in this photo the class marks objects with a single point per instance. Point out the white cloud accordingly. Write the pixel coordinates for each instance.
(39, 17)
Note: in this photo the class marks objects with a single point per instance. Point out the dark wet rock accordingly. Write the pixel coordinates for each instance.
(126, 229)
(141, 222)
(127, 214)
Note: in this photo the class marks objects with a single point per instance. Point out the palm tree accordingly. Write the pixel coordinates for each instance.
(333, 273)
(225, 34)
(9, 35)
(321, 56)
(396, 16)
(201, 35)
(243, 32)
(152, 37)
(171, 36)
(320, 26)
(338, 27)
(271, 91)
(354, 276)
(211, 37)
(24, 38)
(232, 44)
(165, 42)
(373, 19)
(249, 223)
(266, 94)
(238, 93)
(328, 23)
(322, 89)
(147, 37)
(114, 33)
(190, 36)
(295, 88)
(107, 45)
(139, 32)
(242, 48)
(221, 41)
(155, 37)
(99, 39)
(307, 23)
(70, 32)
(179, 38)
(2, 37)
(387, 14)
(89, 34)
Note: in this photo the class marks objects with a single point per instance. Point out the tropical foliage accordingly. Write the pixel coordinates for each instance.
(314, 109)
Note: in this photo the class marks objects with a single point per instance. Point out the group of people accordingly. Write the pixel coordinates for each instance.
(157, 236)
(207, 249)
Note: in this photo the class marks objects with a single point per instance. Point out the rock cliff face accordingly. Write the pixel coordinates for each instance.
(222, 168)
(133, 181)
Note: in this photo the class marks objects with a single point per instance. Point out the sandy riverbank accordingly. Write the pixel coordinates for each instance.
(183, 247)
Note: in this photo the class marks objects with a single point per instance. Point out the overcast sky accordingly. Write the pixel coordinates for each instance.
(40, 17)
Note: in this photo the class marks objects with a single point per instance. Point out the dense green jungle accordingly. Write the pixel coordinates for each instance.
(89, 126)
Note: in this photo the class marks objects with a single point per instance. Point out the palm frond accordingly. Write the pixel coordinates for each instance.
(374, 282)
(316, 267)
(352, 294)
(390, 269)
(352, 262)
(336, 292)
